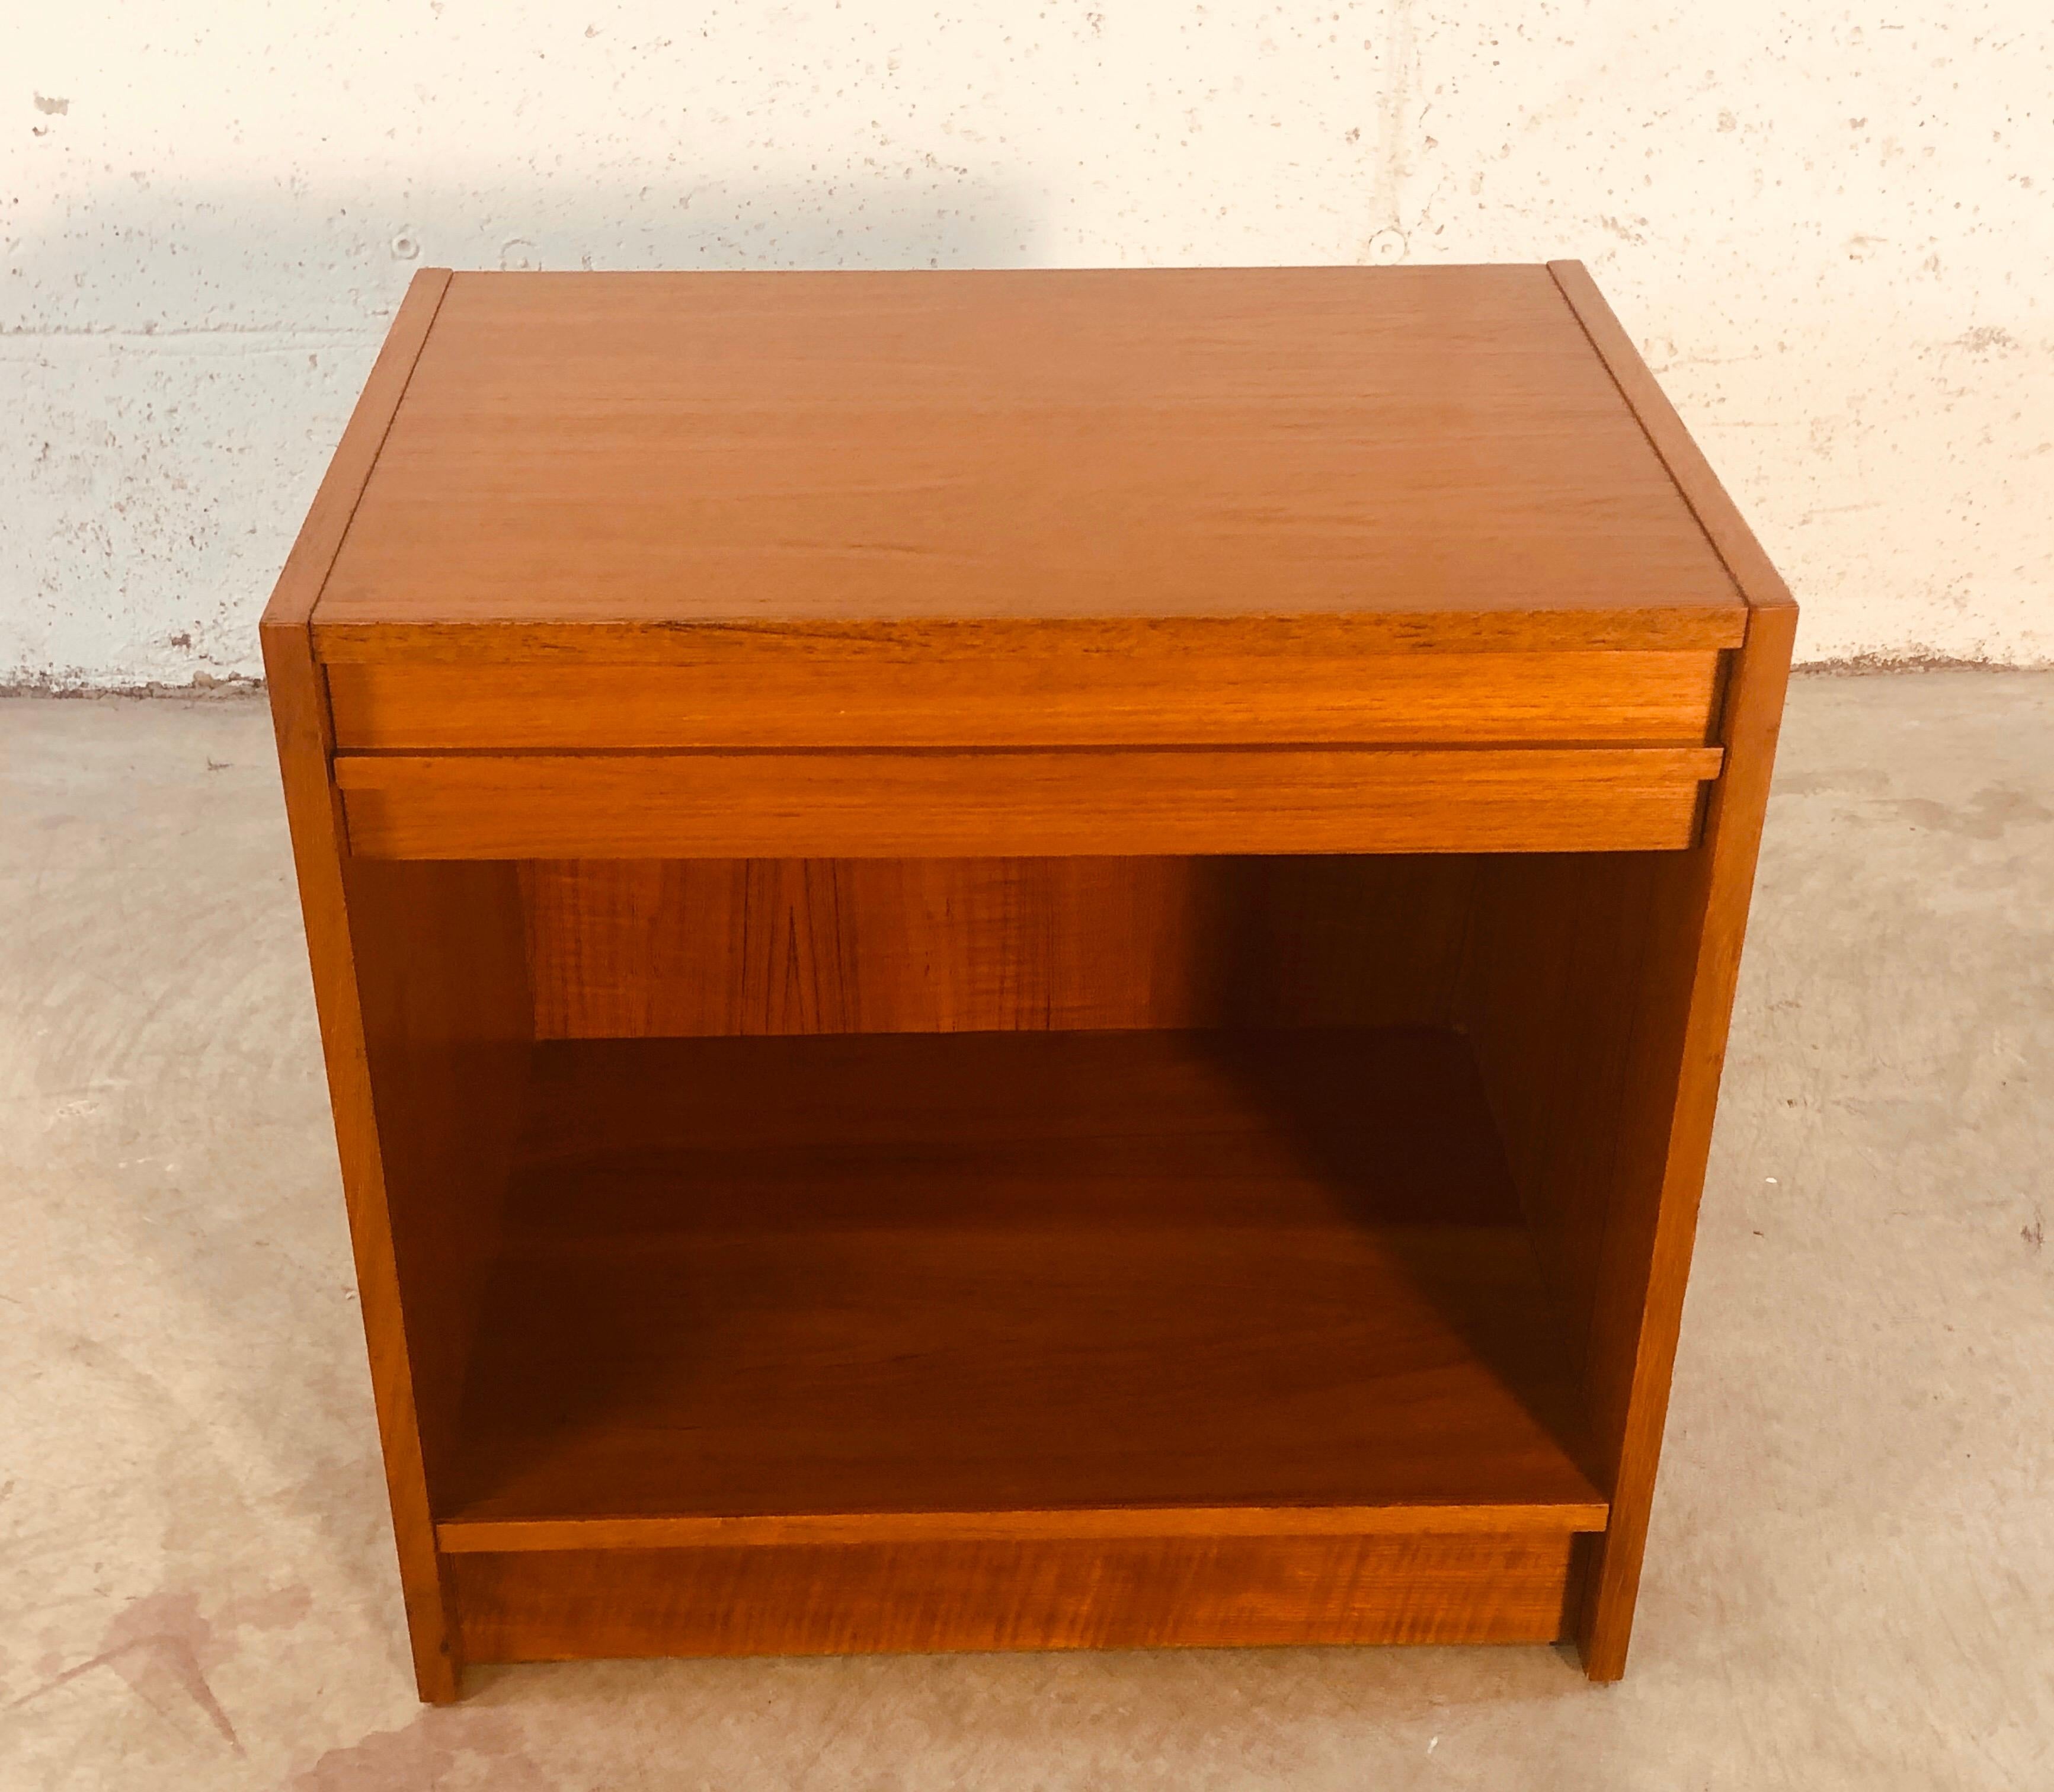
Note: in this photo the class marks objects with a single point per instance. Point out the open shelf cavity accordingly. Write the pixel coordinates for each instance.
(866, 1286)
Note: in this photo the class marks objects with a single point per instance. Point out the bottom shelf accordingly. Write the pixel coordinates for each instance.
(971, 1292)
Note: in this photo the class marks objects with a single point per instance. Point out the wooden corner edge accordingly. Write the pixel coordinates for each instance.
(305, 572)
(1746, 561)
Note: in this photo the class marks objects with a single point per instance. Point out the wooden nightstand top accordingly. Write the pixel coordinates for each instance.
(1424, 451)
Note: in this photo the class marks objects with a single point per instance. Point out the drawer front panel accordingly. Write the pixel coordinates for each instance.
(766, 699)
(873, 804)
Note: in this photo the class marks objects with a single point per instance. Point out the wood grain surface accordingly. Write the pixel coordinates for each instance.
(440, 964)
(1615, 629)
(299, 717)
(945, 804)
(463, 1536)
(687, 947)
(1754, 577)
(1697, 919)
(1047, 699)
(666, 449)
(1549, 999)
(1061, 1594)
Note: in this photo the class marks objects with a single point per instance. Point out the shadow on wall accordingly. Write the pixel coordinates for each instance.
(182, 366)
(264, 258)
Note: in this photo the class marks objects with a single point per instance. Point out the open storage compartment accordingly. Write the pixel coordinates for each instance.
(1200, 1248)
(1014, 1279)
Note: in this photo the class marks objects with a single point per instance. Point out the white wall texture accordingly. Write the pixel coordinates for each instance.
(1830, 227)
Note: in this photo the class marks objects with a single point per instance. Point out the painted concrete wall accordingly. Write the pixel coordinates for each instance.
(1830, 228)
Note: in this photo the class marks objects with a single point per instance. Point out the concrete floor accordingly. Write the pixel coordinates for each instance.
(1850, 1578)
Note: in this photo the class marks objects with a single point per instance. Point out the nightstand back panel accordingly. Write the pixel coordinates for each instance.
(678, 948)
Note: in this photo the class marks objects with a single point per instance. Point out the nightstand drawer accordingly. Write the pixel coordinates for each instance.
(868, 805)
(770, 695)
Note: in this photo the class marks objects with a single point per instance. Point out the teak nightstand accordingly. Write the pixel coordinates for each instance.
(1020, 960)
